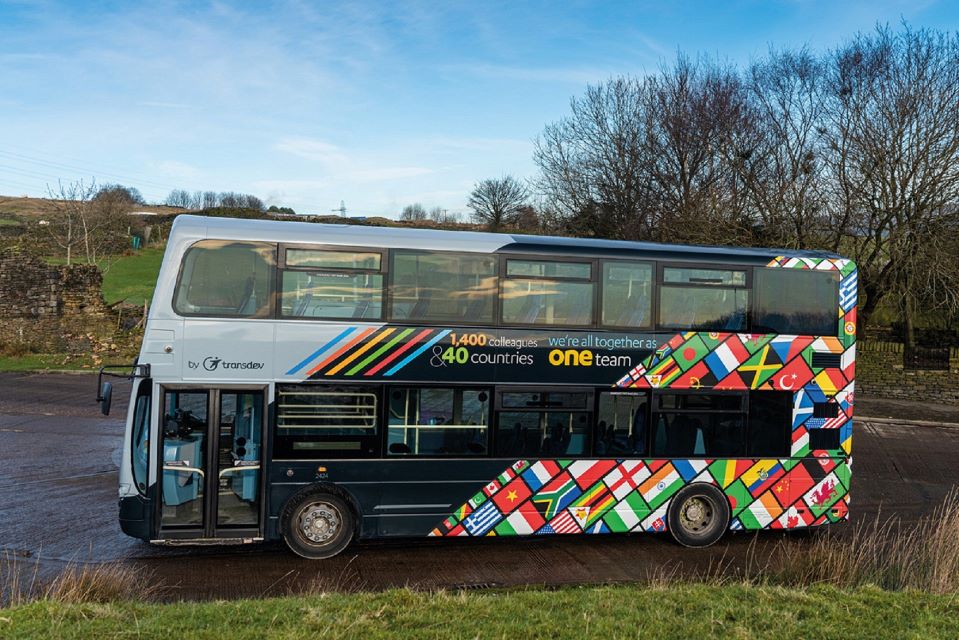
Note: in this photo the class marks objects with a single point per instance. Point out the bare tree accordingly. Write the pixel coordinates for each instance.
(440, 215)
(65, 225)
(496, 202)
(413, 213)
(210, 200)
(179, 198)
(894, 132)
(781, 159)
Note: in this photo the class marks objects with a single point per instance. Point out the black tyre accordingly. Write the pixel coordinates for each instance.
(698, 515)
(317, 524)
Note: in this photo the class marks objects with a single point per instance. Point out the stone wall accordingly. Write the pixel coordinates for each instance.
(879, 372)
(49, 308)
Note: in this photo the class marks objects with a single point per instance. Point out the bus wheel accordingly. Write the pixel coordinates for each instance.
(317, 524)
(698, 515)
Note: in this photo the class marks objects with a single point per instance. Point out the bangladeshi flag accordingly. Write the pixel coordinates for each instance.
(690, 352)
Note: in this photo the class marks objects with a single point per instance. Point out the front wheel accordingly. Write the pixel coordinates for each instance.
(698, 515)
(317, 525)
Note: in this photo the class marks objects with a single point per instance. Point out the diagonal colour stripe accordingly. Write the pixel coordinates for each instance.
(349, 345)
(376, 354)
(407, 359)
(319, 351)
(396, 354)
(356, 354)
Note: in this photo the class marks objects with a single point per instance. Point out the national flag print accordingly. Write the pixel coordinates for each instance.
(738, 495)
(794, 518)
(847, 291)
(789, 347)
(828, 344)
(626, 514)
(663, 373)
(830, 381)
(760, 367)
(661, 485)
(823, 495)
(512, 495)
(697, 377)
(726, 471)
(762, 475)
(656, 521)
(540, 473)
(761, 512)
(482, 520)
(522, 522)
(491, 488)
(592, 504)
(726, 357)
(754, 341)
(732, 381)
(800, 442)
(626, 477)
(588, 472)
(792, 376)
(564, 522)
(802, 407)
(690, 352)
(689, 469)
(556, 495)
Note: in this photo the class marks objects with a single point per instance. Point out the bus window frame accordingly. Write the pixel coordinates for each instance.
(280, 266)
(653, 295)
(589, 408)
(661, 266)
(416, 322)
(269, 314)
(384, 415)
(533, 257)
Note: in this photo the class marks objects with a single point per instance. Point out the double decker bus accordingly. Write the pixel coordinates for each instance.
(323, 383)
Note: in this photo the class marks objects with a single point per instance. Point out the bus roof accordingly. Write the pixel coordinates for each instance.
(203, 227)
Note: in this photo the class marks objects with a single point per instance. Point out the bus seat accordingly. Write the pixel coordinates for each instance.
(300, 308)
(359, 311)
(422, 305)
(736, 321)
(248, 301)
(531, 309)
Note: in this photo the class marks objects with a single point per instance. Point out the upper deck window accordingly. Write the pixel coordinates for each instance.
(796, 301)
(333, 284)
(703, 299)
(627, 294)
(226, 279)
(443, 287)
(548, 292)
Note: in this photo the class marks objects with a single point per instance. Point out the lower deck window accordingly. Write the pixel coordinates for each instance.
(438, 421)
(699, 425)
(320, 421)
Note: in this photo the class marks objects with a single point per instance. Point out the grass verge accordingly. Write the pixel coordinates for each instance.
(132, 278)
(685, 611)
(47, 362)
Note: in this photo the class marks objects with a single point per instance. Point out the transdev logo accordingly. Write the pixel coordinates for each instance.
(211, 363)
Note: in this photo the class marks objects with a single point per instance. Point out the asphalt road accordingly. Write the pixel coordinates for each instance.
(58, 477)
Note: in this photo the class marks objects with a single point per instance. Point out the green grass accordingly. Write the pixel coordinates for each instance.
(684, 611)
(8, 222)
(132, 278)
(44, 362)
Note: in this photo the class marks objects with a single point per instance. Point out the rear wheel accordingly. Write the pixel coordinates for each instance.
(317, 524)
(698, 515)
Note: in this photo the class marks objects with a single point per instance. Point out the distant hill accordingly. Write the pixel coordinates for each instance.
(39, 207)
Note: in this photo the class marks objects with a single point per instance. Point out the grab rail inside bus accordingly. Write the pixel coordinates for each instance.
(105, 389)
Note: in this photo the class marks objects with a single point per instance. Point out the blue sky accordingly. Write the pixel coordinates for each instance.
(383, 104)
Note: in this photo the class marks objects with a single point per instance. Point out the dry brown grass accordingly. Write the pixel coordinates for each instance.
(20, 583)
(884, 552)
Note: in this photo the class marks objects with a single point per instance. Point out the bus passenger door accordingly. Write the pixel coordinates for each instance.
(211, 481)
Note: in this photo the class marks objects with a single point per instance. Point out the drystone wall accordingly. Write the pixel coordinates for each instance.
(880, 372)
(50, 308)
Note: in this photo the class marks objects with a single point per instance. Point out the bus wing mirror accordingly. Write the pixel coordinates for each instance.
(106, 397)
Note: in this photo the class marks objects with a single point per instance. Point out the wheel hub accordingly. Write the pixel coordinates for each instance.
(319, 522)
(696, 514)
